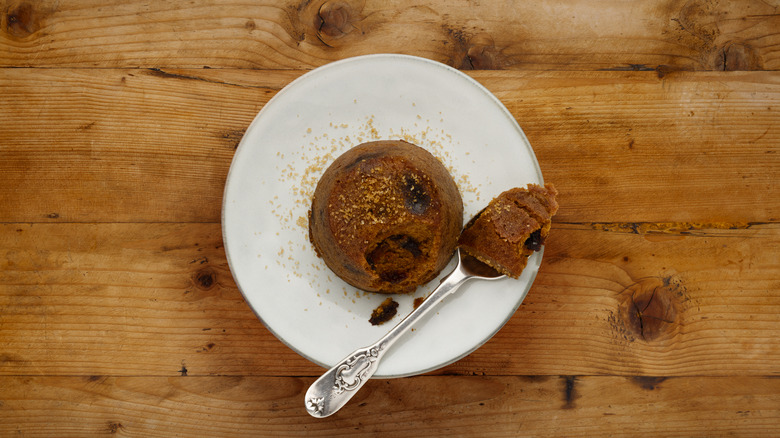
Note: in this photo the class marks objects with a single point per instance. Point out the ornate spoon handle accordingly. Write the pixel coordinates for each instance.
(334, 388)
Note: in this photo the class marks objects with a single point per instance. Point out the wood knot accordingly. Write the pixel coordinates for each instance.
(115, 427)
(207, 347)
(334, 20)
(482, 54)
(473, 52)
(736, 56)
(22, 20)
(649, 307)
(205, 278)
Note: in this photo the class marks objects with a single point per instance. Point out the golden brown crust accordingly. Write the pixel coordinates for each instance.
(386, 216)
(511, 228)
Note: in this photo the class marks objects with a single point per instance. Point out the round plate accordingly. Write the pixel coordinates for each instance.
(285, 150)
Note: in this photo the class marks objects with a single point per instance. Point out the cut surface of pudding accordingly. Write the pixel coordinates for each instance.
(386, 216)
(512, 226)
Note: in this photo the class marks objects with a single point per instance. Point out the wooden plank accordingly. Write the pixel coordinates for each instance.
(646, 299)
(155, 146)
(158, 299)
(420, 406)
(660, 35)
(86, 145)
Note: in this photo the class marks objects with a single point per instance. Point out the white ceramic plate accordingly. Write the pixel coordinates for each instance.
(279, 161)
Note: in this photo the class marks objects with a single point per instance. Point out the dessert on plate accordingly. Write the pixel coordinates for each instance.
(386, 216)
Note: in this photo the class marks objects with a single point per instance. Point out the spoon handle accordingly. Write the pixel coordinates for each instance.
(333, 389)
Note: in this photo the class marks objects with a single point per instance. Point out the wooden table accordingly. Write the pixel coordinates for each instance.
(657, 307)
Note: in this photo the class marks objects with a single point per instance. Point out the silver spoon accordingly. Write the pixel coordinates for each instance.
(333, 389)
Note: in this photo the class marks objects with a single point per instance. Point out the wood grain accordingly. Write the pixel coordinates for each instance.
(419, 406)
(102, 144)
(660, 35)
(656, 311)
(158, 299)
(156, 145)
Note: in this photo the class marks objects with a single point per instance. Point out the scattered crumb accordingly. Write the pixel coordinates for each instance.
(384, 312)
